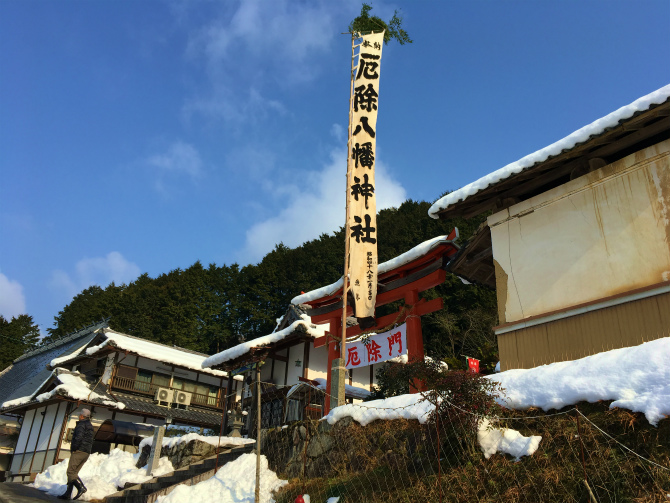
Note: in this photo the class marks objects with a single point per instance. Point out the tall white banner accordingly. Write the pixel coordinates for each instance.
(380, 348)
(361, 194)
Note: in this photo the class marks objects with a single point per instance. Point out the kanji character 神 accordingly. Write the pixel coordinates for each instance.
(362, 234)
(363, 154)
(364, 189)
(366, 98)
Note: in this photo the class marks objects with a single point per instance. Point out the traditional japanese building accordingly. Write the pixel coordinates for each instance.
(578, 242)
(299, 353)
(118, 377)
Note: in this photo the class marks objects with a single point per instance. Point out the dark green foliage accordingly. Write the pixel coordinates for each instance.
(366, 23)
(16, 337)
(209, 308)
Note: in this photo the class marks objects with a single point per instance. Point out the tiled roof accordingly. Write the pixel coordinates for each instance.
(147, 406)
(29, 371)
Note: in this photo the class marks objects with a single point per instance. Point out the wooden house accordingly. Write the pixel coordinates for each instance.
(119, 378)
(577, 244)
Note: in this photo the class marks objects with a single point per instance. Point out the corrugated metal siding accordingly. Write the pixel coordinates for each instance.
(574, 337)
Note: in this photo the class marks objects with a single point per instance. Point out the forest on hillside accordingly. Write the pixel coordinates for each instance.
(211, 308)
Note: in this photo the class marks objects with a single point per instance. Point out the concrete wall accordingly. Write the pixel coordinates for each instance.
(602, 234)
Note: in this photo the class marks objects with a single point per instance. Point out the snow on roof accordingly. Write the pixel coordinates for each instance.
(402, 259)
(581, 135)
(147, 349)
(266, 340)
(636, 378)
(72, 386)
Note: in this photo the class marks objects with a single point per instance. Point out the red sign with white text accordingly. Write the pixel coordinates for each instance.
(473, 365)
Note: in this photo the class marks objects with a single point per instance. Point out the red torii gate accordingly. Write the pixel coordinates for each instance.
(403, 282)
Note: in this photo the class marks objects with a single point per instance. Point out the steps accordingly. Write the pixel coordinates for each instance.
(149, 491)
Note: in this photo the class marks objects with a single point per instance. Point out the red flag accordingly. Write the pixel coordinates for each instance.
(473, 365)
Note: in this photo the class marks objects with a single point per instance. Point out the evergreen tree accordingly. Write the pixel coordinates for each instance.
(16, 337)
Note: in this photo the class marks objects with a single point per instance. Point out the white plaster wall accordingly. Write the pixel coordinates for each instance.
(280, 372)
(32, 438)
(25, 430)
(605, 233)
(296, 352)
(318, 362)
(360, 377)
(211, 380)
(58, 423)
(47, 426)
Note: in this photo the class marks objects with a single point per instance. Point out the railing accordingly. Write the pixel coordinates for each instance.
(127, 384)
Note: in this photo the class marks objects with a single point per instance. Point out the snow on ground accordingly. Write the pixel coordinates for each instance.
(567, 143)
(172, 441)
(636, 378)
(492, 440)
(235, 482)
(102, 474)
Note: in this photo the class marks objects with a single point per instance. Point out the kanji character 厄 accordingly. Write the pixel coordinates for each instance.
(368, 69)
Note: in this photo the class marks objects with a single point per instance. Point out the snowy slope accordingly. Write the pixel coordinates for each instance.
(102, 474)
(636, 378)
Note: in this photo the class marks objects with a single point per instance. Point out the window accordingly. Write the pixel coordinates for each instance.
(126, 372)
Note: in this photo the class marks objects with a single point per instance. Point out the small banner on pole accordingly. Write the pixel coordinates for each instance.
(380, 348)
(473, 365)
(361, 193)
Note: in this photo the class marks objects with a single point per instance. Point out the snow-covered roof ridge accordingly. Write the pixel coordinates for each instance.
(241, 349)
(402, 259)
(581, 135)
(147, 349)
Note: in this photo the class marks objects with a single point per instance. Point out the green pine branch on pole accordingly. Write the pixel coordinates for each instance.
(366, 23)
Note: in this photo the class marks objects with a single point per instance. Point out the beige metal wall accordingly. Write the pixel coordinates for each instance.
(602, 234)
(577, 336)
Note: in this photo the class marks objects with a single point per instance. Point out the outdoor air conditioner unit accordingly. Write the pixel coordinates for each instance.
(164, 395)
(182, 398)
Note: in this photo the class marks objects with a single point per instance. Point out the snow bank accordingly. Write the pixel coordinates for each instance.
(567, 143)
(505, 440)
(235, 482)
(102, 474)
(245, 347)
(402, 259)
(636, 378)
(396, 407)
(172, 441)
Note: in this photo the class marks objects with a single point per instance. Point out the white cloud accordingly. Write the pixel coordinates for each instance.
(180, 159)
(12, 300)
(308, 214)
(253, 47)
(95, 271)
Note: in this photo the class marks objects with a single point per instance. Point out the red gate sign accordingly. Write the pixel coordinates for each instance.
(473, 365)
(380, 348)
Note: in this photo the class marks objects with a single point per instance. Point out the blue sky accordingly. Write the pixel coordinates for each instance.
(143, 136)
